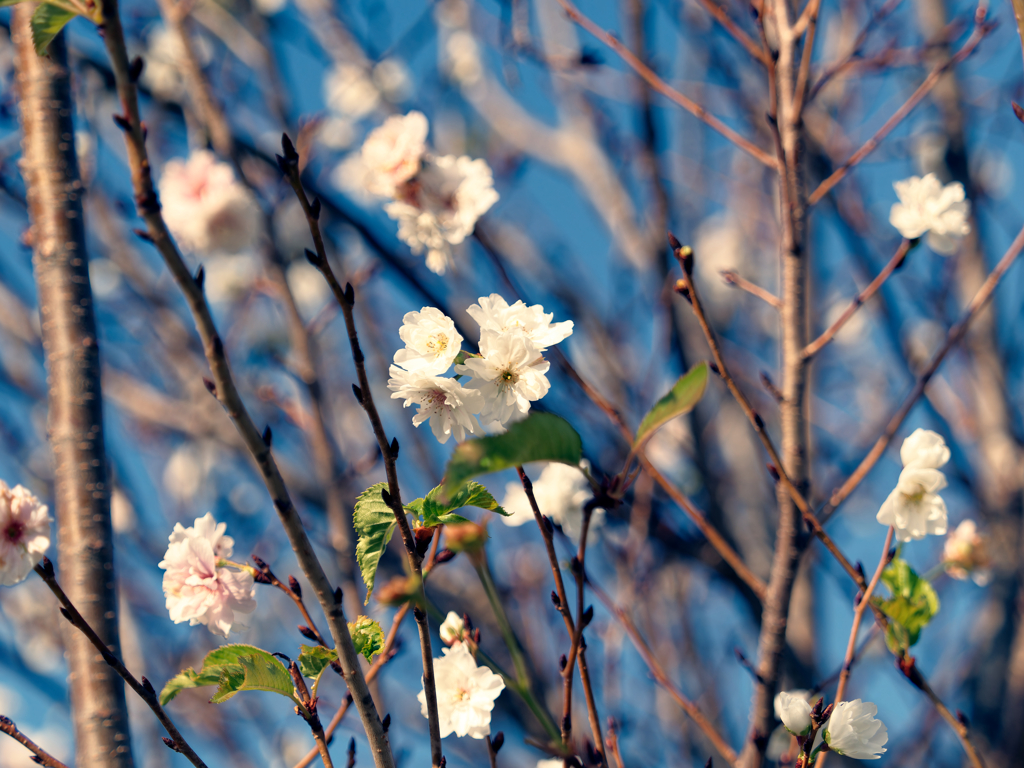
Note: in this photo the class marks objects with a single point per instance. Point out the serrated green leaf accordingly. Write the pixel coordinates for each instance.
(260, 671)
(682, 398)
(47, 22)
(374, 523)
(367, 636)
(233, 668)
(314, 659)
(539, 437)
(911, 607)
(435, 510)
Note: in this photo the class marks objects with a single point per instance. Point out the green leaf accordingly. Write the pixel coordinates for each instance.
(260, 672)
(367, 636)
(314, 659)
(233, 668)
(539, 437)
(47, 22)
(681, 399)
(374, 523)
(911, 607)
(5, 3)
(435, 510)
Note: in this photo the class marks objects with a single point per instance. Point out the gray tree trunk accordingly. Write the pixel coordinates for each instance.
(82, 492)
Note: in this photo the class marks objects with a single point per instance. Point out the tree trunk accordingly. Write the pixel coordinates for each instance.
(82, 493)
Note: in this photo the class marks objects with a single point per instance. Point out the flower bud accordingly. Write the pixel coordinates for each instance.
(399, 590)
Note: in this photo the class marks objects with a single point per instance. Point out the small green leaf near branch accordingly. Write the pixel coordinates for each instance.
(375, 523)
(233, 668)
(912, 606)
(682, 398)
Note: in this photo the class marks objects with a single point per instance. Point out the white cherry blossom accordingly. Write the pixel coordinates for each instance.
(24, 533)
(561, 492)
(793, 708)
(509, 374)
(349, 91)
(924, 448)
(200, 591)
(451, 628)
(914, 507)
(431, 342)
(853, 731)
(392, 152)
(926, 206)
(495, 314)
(465, 693)
(445, 402)
(205, 206)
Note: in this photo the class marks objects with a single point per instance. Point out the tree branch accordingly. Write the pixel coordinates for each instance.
(41, 755)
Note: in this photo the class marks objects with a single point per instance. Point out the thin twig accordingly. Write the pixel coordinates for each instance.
(980, 31)
(863, 601)
(722, 17)
(41, 755)
(144, 689)
(371, 674)
(664, 88)
(224, 387)
(955, 335)
(658, 671)
(859, 300)
(732, 278)
(346, 300)
(613, 744)
(683, 254)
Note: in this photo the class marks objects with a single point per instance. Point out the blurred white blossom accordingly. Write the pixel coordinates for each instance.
(205, 206)
(793, 708)
(465, 693)
(451, 628)
(853, 731)
(349, 91)
(928, 206)
(966, 553)
(198, 589)
(561, 492)
(392, 152)
(24, 532)
(164, 62)
(269, 7)
(308, 287)
(914, 507)
(441, 206)
(392, 78)
(463, 58)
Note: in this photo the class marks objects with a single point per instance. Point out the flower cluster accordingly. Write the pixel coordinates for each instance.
(436, 200)
(24, 533)
(914, 508)
(561, 492)
(206, 208)
(506, 376)
(465, 693)
(966, 553)
(851, 730)
(199, 585)
(927, 206)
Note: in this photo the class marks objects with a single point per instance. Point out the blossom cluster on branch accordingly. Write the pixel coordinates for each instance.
(436, 200)
(505, 377)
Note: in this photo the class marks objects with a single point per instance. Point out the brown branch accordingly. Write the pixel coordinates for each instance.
(70, 342)
(863, 601)
(41, 755)
(345, 297)
(722, 17)
(658, 671)
(664, 88)
(371, 675)
(613, 744)
(955, 335)
(981, 29)
(714, 538)
(225, 389)
(144, 689)
(894, 263)
(731, 277)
